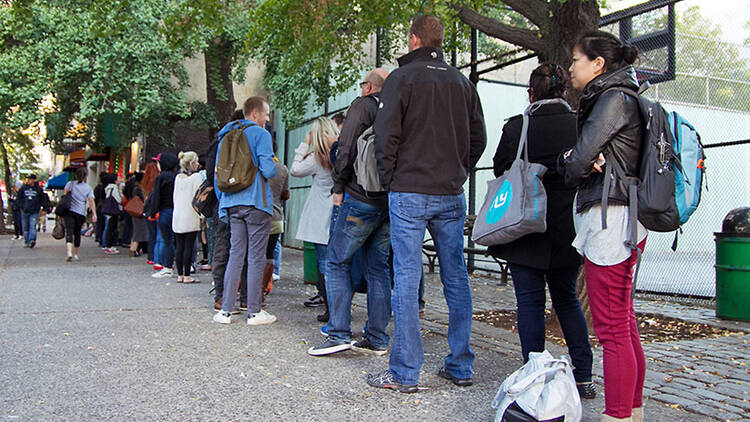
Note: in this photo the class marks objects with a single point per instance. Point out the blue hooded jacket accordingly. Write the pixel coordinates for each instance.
(261, 150)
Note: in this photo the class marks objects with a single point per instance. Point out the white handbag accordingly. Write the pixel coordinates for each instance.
(543, 387)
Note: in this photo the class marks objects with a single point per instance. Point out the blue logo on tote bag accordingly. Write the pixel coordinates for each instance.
(500, 204)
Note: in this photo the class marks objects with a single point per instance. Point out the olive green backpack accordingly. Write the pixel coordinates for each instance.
(235, 170)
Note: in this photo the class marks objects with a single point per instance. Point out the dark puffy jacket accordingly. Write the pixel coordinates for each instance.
(161, 197)
(429, 130)
(361, 115)
(608, 122)
(552, 131)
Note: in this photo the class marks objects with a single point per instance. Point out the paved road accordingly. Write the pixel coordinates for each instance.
(101, 340)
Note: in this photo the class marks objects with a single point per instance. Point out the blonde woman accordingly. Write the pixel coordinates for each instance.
(312, 158)
(186, 223)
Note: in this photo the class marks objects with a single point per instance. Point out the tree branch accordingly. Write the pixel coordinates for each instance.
(536, 11)
(522, 37)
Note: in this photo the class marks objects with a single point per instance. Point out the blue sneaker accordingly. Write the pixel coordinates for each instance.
(324, 331)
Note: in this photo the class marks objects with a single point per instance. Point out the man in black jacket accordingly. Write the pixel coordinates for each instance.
(31, 199)
(362, 222)
(429, 133)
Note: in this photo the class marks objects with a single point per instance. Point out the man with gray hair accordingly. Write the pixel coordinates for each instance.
(361, 223)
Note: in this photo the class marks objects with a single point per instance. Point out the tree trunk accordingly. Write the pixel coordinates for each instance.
(219, 91)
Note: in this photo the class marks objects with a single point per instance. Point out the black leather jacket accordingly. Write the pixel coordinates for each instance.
(608, 122)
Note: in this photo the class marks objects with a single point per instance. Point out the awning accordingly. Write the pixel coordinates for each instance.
(57, 182)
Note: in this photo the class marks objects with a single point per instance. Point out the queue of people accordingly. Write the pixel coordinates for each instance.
(426, 125)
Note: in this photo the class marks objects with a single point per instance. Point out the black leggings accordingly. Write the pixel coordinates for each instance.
(184, 251)
(272, 239)
(73, 224)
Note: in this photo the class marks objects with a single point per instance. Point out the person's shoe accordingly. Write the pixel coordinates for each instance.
(32, 244)
(328, 347)
(223, 317)
(76, 258)
(149, 262)
(26, 245)
(385, 380)
(217, 305)
(365, 346)
(261, 318)
(111, 251)
(324, 331)
(324, 316)
(637, 414)
(204, 267)
(68, 258)
(275, 276)
(243, 306)
(607, 418)
(587, 390)
(164, 273)
(315, 302)
(190, 280)
(158, 267)
(461, 382)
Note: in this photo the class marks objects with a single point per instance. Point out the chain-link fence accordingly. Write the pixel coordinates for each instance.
(692, 70)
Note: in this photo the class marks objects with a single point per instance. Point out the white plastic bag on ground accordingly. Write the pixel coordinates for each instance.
(543, 387)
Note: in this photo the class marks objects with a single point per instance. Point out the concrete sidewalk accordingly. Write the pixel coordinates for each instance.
(100, 339)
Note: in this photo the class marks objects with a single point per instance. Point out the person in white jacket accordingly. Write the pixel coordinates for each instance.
(186, 223)
(312, 158)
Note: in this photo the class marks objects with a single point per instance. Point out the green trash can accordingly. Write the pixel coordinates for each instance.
(733, 267)
(310, 263)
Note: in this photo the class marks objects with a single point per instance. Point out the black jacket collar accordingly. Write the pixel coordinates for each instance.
(421, 55)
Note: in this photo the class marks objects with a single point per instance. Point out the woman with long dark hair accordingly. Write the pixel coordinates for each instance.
(609, 139)
(547, 259)
(81, 196)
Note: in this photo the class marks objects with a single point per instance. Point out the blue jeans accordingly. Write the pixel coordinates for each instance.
(529, 285)
(154, 241)
(166, 252)
(29, 220)
(277, 257)
(359, 284)
(359, 226)
(444, 215)
(321, 256)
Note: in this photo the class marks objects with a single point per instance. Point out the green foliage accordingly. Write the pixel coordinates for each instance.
(202, 115)
(99, 57)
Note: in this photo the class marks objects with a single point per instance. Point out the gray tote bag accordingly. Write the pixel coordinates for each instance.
(516, 202)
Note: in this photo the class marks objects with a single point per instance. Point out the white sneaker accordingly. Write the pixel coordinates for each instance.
(76, 258)
(276, 277)
(261, 318)
(223, 317)
(111, 251)
(163, 273)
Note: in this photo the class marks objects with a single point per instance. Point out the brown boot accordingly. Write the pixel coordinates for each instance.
(267, 278)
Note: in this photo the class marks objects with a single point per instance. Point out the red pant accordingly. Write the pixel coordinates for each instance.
(615, 325)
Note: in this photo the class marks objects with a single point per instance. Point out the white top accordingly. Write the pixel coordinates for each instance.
(184, 217)
(604, 247)
(79, 196)
(316, 214)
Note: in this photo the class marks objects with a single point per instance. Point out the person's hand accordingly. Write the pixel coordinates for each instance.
(93, 218)
(599, 163)
(338, 199)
